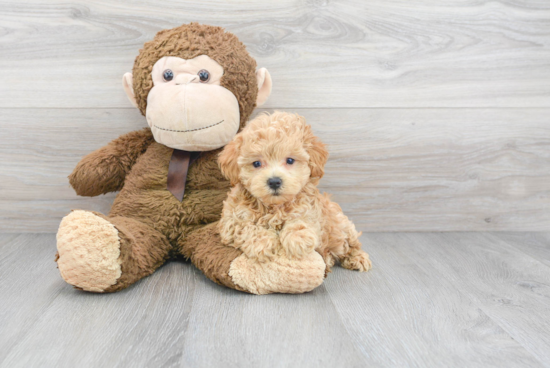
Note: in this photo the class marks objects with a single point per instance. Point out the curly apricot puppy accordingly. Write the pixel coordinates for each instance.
(275, 207)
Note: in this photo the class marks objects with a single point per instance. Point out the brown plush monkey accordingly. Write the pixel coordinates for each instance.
(197, 86)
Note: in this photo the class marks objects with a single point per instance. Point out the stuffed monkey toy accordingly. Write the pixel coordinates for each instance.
(197, 86)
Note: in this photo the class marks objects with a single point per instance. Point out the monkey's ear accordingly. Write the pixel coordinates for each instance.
(128, 84)
(228, 160)
(264, 86)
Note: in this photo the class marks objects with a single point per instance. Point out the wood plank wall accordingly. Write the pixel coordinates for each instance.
(437, 114)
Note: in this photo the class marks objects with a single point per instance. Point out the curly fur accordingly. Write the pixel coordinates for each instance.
(295, 219)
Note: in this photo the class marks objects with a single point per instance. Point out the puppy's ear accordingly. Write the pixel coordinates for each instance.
(318, 154)
(228, 160)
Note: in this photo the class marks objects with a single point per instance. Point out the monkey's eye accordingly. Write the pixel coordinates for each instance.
(204, 76)
(256, 164)
(290, 161)
(168, 75)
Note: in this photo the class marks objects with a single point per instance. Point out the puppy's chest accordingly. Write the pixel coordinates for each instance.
(276, 220)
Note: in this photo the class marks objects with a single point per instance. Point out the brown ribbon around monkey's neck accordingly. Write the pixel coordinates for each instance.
(177, 171)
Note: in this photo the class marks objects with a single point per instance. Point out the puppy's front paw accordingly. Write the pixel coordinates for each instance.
(299, 243)
(263, 246)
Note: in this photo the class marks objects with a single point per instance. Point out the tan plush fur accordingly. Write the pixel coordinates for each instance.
(281, 275)
(295, 219)
(91, 268)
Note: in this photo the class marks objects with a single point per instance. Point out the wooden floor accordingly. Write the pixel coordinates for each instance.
(431, 300)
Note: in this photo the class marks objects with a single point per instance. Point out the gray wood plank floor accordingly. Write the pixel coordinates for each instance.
(431, 300)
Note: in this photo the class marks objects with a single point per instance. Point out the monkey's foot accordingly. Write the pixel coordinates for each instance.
(89, 248)
(281, 275)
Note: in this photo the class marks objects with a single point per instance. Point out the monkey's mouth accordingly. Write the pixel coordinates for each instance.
(188, 130)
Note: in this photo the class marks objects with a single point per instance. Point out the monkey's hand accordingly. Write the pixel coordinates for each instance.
(280, 275)
(105, 169)
(298, 239)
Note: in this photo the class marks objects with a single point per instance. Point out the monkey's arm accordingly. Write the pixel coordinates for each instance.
(105, 169)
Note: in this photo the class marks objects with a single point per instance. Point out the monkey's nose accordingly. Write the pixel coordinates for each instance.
(274, 183)
(186, 78)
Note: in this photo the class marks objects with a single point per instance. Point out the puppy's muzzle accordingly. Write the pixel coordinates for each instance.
(274, 183)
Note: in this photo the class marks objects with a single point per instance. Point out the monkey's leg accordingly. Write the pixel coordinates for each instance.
(205, 249)
(228, 266)
(106, 254)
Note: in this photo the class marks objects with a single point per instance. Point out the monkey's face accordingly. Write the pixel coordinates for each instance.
(187, 108)
(196, 103)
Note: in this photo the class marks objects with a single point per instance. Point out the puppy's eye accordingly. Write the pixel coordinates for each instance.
(168, 75)
(204, 76)
(289, 161)
(256, 164)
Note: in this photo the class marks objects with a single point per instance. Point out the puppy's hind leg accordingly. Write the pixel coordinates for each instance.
(355, 258)
(345, 241)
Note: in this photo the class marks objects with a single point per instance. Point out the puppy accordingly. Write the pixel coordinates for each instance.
(274, 208)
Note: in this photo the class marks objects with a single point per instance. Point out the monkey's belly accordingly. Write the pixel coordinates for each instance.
(159, 209)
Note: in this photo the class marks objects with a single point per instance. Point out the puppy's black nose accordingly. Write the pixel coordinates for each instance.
(274, 183)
